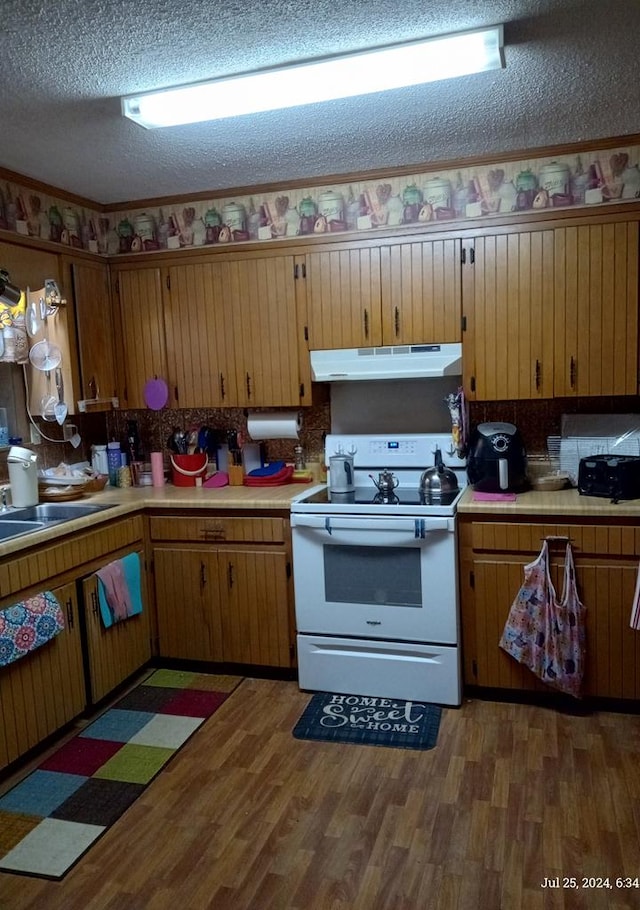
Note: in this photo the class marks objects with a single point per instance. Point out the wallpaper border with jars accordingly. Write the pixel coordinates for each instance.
(586, 179)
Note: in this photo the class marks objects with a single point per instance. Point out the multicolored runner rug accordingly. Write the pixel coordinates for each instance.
(52, 817)
(369, 721)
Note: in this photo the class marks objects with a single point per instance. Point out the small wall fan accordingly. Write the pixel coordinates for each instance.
(45, 356)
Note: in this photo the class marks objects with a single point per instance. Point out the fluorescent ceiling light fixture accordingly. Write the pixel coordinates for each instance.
(378, 70)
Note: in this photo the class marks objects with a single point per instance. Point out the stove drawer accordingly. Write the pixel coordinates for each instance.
(352, 666)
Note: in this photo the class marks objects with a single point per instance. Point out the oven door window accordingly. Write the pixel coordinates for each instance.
(387, 576)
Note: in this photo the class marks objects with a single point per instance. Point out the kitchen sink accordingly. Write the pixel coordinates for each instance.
(17, 522)
(51, 512)
(9, 529)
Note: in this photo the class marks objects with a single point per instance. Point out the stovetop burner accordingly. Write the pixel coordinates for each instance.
(386, 499)
(405, 496)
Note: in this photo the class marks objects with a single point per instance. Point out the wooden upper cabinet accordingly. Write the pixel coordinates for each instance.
(407, 292)
(421, 292)
(142, 328)
(509, 308)
(260, 299)
(199, 336)
(552, 312)
(344, 298)
(95, 329)
(596, 309)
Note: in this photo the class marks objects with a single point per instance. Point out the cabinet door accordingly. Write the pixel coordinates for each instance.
(255, 617)
(188, 603)
(508, 305)
(117, 652)
(344, 298)
(200, 347)
(607, 589)
(260, 295)
(143, 334)
(94, 322)
(44, 690)
(421, 292)
(596, 309)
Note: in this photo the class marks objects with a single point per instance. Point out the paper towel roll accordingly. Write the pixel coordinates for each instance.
(277, 425)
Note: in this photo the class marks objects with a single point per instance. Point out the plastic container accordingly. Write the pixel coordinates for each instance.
(23, 476)
(4, 428)
(114, 462)
(186, 468)
(99, 461)
(157, 470)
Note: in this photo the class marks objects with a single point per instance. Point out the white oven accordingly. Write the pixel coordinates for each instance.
(377, 577)
(375, 580)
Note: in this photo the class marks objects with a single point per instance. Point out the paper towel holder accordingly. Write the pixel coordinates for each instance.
(292, 420)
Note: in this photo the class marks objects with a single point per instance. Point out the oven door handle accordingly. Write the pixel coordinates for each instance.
(417, 527)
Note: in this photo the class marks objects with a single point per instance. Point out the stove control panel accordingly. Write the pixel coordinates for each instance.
(388, 451)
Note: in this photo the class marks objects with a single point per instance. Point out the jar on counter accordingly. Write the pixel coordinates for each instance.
(114, 461)
(99, 461)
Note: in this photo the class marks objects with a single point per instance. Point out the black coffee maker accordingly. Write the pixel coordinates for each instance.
(497, 461)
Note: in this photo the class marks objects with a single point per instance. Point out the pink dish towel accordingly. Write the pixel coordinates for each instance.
(493, 497)
(119, 589)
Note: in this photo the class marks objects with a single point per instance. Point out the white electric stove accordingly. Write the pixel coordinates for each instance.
(376, 574)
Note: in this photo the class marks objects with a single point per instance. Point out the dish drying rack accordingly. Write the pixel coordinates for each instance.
(565, 452)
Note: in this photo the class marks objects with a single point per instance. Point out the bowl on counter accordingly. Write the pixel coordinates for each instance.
(548, 483)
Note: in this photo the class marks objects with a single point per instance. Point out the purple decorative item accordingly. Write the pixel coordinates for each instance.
(156, 394)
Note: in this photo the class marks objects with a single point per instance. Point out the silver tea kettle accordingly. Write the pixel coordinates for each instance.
(386, 482)
(438, 479)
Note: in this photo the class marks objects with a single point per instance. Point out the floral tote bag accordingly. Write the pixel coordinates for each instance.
(545, 634)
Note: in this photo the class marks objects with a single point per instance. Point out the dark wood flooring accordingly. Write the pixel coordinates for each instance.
(248, 818)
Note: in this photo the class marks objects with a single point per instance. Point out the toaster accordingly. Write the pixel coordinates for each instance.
(614, 476)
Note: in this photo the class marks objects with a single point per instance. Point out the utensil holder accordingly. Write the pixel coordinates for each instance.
(236, 475)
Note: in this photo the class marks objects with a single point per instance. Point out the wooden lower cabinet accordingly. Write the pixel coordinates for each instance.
(492, 560)
(44, 690)
(115, 653)
(229, 600)
(188, 603)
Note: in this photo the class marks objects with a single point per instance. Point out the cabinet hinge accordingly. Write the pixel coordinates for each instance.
(288, 570)
(463, 323)
(472, 383)
(474, 668)
(472, 580)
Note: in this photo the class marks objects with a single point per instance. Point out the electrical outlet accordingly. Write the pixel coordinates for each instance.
(35, 437)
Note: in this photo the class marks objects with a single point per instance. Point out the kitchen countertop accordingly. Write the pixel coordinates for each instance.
(561, 502)
(128, 501)
(124, 502)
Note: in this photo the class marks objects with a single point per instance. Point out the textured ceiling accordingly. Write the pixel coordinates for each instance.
(572, 74)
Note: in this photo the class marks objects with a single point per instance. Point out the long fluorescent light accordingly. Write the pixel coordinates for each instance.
(378, 70)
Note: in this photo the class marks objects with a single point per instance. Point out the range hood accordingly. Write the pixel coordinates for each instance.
(409, 361)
